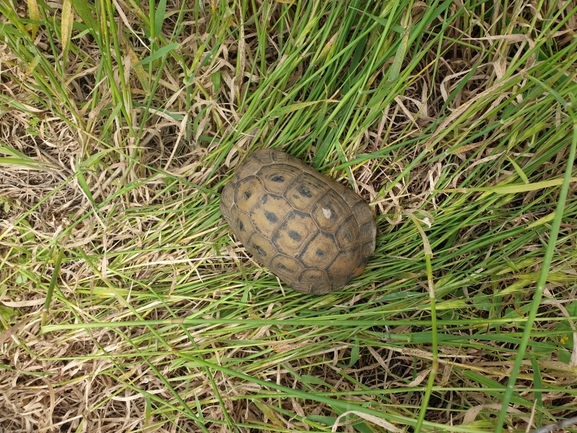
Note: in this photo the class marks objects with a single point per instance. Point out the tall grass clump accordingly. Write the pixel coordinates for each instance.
(125, 303)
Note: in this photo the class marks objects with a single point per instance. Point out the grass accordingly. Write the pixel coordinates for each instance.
(126, 304)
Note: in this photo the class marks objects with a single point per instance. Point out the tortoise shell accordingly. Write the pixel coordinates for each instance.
(312, 232)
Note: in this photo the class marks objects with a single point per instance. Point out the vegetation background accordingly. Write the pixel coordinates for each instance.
(127, 306)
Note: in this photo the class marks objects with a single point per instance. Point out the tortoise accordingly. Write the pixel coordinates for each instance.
(312, 232)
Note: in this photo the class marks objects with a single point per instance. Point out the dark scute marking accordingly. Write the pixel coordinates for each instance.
(271, 217)
(240, 225)
(247, 194)
(277, 178)
(319, 252)
(294, 235)
(259, 250)
(304, 191)
(281, 267)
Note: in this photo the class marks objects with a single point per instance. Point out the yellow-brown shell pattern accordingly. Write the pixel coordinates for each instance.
(312, 232)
